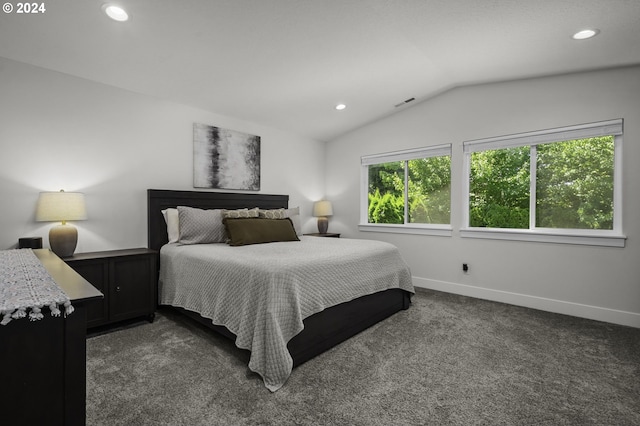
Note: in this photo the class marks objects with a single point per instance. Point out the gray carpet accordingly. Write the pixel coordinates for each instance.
(447, 360)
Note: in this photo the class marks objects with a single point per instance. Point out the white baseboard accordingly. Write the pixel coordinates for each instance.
(597, 313)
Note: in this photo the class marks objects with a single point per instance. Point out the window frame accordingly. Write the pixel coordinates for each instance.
(599, 237)
(404, 156)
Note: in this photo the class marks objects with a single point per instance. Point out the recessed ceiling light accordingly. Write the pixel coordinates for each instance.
(115, 12)
(340, 107)
(585, 34)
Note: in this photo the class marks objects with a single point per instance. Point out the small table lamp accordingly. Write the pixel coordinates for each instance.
(321, 210)
(61, 206)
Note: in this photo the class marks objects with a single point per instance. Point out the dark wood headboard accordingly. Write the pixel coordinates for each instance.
(160, 199)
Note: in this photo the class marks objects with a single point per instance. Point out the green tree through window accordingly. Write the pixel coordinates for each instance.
(499, 188)
(428, 191)
(573, 185)
(386, 193)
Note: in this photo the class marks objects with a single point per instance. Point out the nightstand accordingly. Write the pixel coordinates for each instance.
(328, 234)
(127, 278)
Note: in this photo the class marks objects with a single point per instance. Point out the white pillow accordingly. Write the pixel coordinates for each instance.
(171, 218)
(294, 215)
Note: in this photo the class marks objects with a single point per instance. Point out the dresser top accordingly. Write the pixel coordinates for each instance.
(77, 288)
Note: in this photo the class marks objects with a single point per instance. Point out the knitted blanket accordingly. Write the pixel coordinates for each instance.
(26, 287)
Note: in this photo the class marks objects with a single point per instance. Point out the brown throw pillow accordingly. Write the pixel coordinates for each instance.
(245, 231)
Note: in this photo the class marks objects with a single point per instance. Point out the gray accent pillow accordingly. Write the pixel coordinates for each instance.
(240, 213)
(273, 214)
(198, 226)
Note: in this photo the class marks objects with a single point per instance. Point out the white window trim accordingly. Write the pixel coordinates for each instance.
(438, 230)
(605, 238)
(406, 228)
(611, 238)
(580, 131)
(407, 154)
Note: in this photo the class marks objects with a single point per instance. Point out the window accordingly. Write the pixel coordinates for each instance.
(499, 188)
(560, 183)
(407, 191)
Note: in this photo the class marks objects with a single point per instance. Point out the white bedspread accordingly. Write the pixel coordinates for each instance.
(263, 292)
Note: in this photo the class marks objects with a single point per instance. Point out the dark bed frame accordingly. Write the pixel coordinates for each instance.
(323, 330)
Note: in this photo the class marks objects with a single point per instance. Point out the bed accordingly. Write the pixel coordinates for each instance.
(307, 321)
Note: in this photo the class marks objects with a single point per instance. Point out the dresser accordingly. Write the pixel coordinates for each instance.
(43, 363)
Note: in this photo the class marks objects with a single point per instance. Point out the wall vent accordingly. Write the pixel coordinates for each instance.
(404, 102)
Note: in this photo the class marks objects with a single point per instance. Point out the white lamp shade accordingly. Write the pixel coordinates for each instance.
(322, 208)
(61, 206)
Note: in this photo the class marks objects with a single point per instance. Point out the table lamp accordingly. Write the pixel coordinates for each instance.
(321, 210)
(61, 206)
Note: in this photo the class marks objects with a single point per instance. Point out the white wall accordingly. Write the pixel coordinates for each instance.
(61, 132)
(593, 282)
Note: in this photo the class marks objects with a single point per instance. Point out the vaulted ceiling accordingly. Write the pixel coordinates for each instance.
(287, 63)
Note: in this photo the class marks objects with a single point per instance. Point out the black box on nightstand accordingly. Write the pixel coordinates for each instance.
(30, 242)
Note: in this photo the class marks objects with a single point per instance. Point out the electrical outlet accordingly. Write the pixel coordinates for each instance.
(465, 267)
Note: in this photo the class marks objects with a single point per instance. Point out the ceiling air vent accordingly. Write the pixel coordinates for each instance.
(404, 102)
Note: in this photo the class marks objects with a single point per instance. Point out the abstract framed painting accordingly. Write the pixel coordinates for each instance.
(225, 159)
